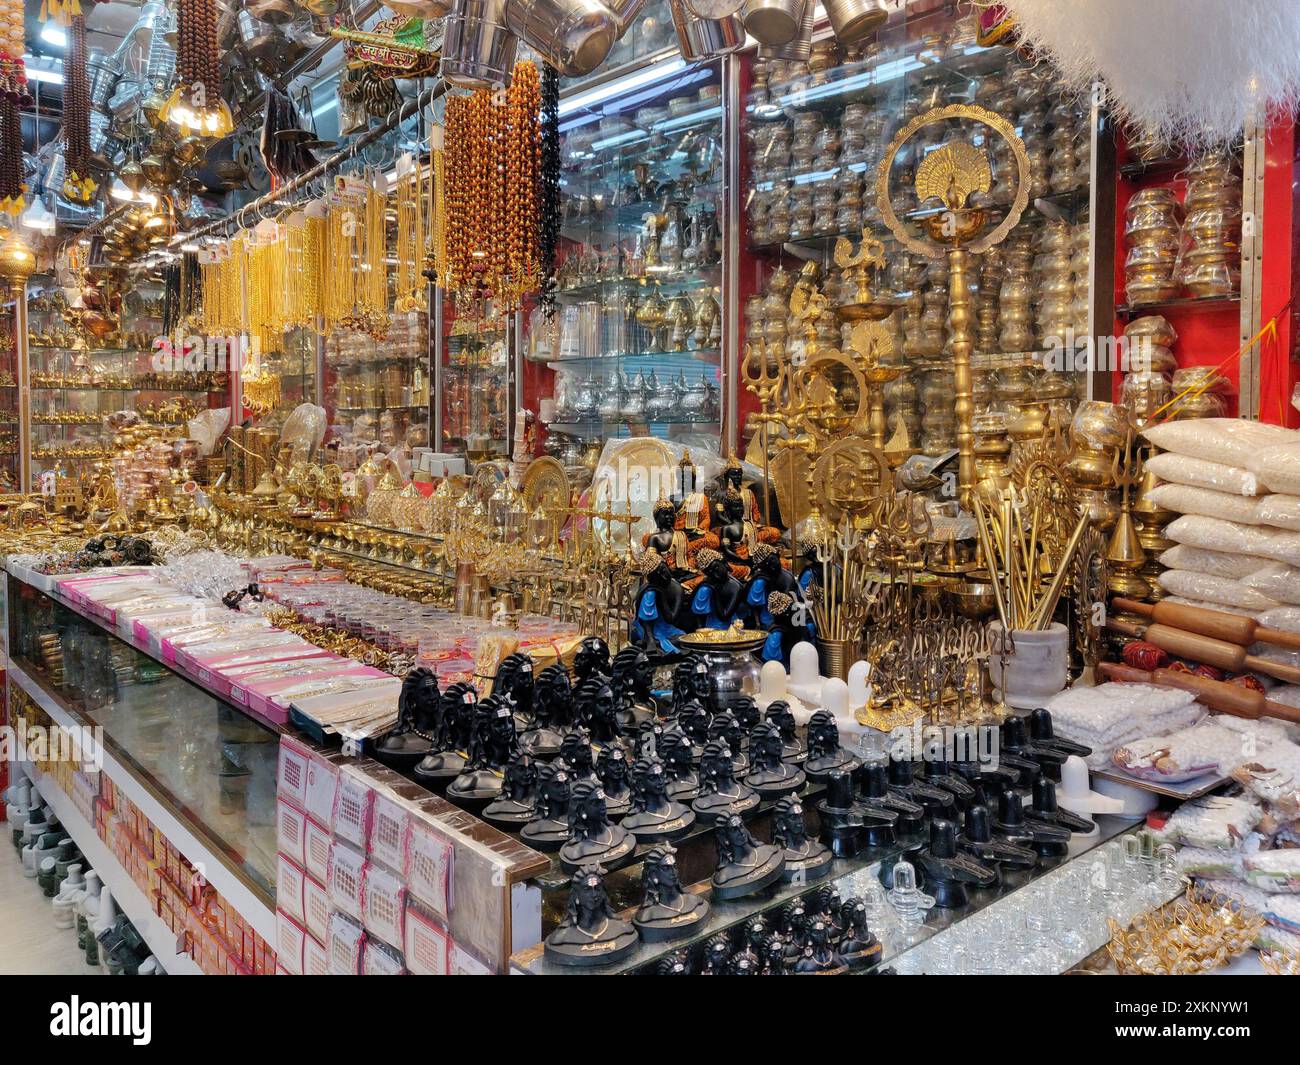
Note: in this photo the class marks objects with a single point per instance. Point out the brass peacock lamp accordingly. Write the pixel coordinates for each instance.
(951, 174)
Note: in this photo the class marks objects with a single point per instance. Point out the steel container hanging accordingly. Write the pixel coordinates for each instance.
(478, 49)
(855, 20)
(625, 13)
(799, 48)
(704, 38)
(774, 22)
(573, 36)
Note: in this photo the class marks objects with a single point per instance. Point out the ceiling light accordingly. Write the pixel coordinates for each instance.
(55, 36)
(48, 76)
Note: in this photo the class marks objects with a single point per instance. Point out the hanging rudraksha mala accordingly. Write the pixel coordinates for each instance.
(13, 97)
(78, 185)
(548, 180)
(196, 105)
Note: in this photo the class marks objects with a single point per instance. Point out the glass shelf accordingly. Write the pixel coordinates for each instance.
(200, 755)
(640, 276)
(1185, 303)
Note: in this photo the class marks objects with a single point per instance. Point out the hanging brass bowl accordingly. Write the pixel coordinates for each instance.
(152, 109)
(189, 150)
(160, 170)
(132, 176)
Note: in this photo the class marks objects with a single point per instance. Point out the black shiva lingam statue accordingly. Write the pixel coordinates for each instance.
(590, 934)
(417, 722)
(744, 865)
(667, 910)
(949, 872)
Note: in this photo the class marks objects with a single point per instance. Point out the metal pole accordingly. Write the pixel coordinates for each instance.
(23, 374)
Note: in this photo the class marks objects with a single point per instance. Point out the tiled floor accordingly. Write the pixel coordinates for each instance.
(29, 942)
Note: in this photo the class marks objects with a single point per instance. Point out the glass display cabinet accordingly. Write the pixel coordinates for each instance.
(816, 129)
(377, 391)
(635, 346)
(200, 755)
(295, 370)
(475, 383)
(93, 374)
(9, 416)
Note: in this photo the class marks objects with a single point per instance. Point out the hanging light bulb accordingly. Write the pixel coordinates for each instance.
(38, 217)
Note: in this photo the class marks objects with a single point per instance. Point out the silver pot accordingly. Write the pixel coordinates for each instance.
(774, 22)
(573, 36)
(478, 49)
(800, 48)
(704, 38)
(855, 20)
(714, 9)
(625, 13)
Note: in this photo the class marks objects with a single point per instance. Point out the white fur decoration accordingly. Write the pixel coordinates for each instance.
(1192, 72)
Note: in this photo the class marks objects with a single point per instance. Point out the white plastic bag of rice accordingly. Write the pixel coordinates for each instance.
(1210, 589)
(1215, 563)
(1219, 535)
(1231, 441)
(1276, 580)
(1286, 618)
(1185, 499)
(1278, 466)
(1280, 511)
(1199, 473)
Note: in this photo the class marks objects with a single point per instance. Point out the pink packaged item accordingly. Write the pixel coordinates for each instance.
(353, 802)
(426, 945)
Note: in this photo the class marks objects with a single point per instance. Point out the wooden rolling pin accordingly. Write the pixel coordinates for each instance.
(1219, 695)
(1200, 648)
(1216, 623)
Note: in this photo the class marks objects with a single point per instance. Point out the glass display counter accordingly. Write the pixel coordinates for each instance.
(201, 757)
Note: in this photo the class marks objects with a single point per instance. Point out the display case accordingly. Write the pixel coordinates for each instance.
(476, 381)
(198, 755)
(635, 348)
(94, 372)
(281, 379)
(377, 391)
(9, 415)
(816, 130)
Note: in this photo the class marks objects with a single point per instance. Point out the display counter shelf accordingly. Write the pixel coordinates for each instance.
(200, 767)
(847, 877)
(163, 942)
(251, 895)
